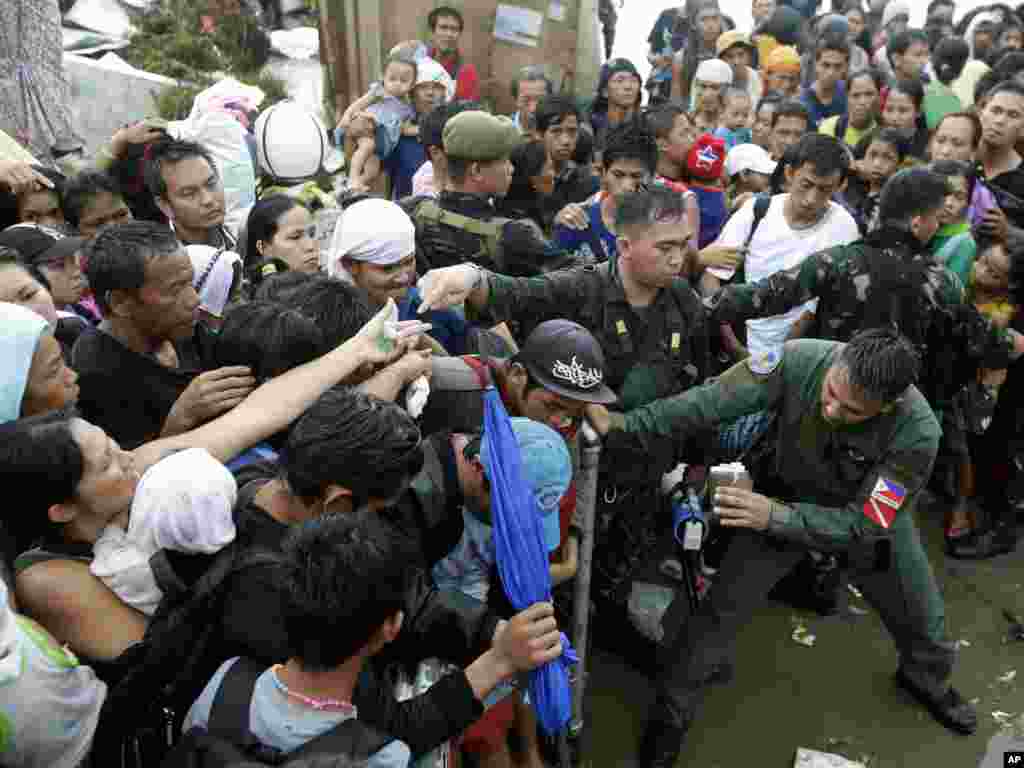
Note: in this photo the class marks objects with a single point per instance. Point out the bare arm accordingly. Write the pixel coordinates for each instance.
(278, 402)
(78, 609)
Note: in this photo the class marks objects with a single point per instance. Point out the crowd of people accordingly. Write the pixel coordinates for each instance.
(255, 506)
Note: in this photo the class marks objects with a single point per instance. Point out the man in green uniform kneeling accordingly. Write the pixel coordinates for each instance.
(856, 444)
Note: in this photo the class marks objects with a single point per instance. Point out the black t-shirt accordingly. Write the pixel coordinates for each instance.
(127, 394)
(1008, 189)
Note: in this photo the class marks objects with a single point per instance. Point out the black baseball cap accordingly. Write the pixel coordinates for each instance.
(565, 358)
(31, 241)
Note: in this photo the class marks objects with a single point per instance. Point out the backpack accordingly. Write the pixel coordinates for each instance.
(227, 740)
(491, 254)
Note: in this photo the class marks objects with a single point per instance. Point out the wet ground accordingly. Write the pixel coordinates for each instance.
(838, 695)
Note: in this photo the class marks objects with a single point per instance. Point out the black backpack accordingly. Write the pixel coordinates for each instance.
(227, 740)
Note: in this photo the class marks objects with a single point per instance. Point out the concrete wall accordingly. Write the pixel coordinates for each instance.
(104, 98)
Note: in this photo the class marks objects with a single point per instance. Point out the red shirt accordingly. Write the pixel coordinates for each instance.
(467, 81)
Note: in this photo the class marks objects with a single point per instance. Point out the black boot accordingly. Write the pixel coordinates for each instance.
(660, 745)
(1000, 539)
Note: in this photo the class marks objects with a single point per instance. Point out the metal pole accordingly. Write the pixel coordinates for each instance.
(586, 501)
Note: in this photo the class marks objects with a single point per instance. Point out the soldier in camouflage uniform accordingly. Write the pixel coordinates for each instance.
(888, 279)
(855, 446)
(650, 325)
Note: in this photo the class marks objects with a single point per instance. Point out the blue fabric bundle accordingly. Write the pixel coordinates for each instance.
(522, 556)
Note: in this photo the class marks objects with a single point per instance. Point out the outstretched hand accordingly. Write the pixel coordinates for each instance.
(447, 287)
(385, 338)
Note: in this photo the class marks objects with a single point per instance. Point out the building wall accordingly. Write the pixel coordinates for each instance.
(571, 53)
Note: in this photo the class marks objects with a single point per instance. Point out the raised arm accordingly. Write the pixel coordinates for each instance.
(278, 402)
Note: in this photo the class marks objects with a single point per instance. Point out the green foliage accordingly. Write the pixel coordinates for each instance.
(169, 41)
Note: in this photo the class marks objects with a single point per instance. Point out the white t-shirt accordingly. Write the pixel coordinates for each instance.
(777, 246)
(49, 703)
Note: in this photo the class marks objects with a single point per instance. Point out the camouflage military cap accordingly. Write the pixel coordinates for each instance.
(479, 136)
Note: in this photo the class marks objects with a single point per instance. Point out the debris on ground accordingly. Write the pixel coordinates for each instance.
(963, 643)
(859, 611)
(803, 636)
(1003, 719)
(1008, 677)
(855, 592)
(811, 758)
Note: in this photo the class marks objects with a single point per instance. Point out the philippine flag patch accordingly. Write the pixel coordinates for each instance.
(884, 502)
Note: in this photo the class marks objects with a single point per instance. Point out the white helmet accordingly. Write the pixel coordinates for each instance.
(291, 142)
(431, 71)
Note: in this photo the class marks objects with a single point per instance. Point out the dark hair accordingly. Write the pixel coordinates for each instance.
(522, 201)
(432, 124)
(630, 140)
(338, 308)
(80, 190)
(347, 438)
(170, 152)
(585, 143)
(949, 58)
(825, 154)
(911, 192)
(832, 42)
(972, 117)
(910, 88)
(444, 10)
(1006, 86)
(531, 74)
(342, 577)
(900, 44)
(42, 464)
(791, 108)
(952, 168)
(552, 110)
(262, 225)
(281, 288)
(9, 201)
(881, 363)
(267, 337)
(885, 135)
(661, 120)
(873, 74)
(117, 256)
(1008, 65)
(938, 4)
(1015, 250)
(646, 206)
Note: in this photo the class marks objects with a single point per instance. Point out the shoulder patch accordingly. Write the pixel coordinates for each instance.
(884, 502)
(764, 361)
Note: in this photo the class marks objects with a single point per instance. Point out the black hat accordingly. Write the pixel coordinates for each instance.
(566, 359)
(31, 241)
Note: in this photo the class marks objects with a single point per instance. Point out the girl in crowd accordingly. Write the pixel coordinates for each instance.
(280, 236)
(37, 204)
(953, 245)
(989, 290)
(19, 286)
(761, 132)
(904, 113)
(877, 157)
(706, 25)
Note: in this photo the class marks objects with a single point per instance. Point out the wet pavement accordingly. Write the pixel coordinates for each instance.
(838, 695)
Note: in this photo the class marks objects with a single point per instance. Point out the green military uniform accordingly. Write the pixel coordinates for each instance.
(844, 489)
(649, 353)
(953, 338)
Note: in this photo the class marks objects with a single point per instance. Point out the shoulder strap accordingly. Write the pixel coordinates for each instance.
(761, 204)
(229, 715)
(353, 738)
(841, 125)
(490, 230)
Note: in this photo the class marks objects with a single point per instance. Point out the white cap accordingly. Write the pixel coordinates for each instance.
(749, 157)
(893, 9)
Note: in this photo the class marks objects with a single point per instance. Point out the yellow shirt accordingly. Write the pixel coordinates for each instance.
(852, 136)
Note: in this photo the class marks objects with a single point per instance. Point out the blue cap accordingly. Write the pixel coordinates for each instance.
(547, 470)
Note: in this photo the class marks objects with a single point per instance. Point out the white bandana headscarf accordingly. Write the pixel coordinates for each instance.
(431, 71)
(374, 230)
(213, 274)
(714, 71)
